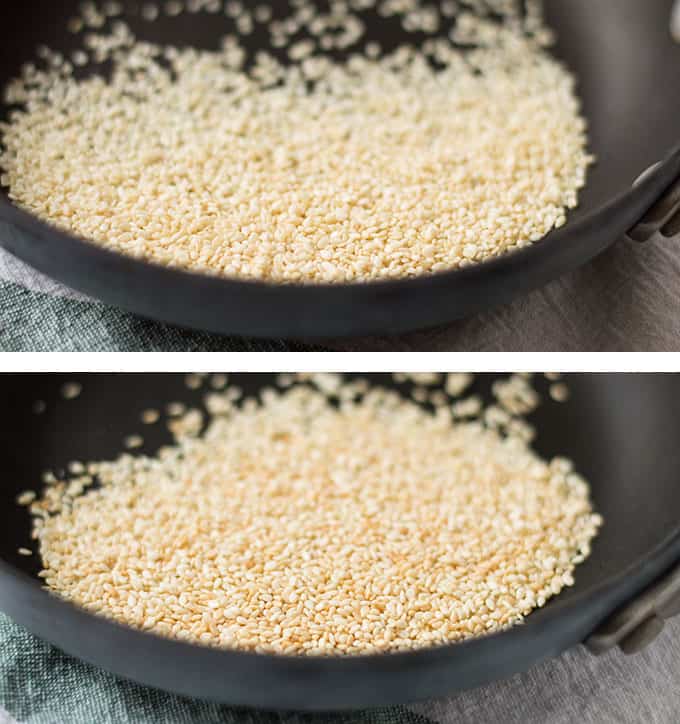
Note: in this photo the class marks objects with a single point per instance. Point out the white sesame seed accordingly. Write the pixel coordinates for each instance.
(132, 442)
(175, 409)
(432, 168)
(71, 390)
(26, 498)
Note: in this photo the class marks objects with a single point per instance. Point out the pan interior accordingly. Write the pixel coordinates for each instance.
(620, 50)
(619, 429)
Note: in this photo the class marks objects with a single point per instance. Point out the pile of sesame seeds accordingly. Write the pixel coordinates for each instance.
(327, 516)
(320, 155)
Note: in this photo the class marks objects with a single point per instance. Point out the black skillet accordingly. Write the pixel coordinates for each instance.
(629, 72)
(621, 430)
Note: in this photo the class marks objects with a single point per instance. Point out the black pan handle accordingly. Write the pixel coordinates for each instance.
(662, 221)
(634, 626)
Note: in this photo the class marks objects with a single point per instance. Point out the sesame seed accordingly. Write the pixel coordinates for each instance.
(193, 381)
(468, 407)
(218, 381)
(71, 390)
(294, 524)
(75, 25)
(559, 392)
(188, 425)
(150, 417)
(175, 409)
(26, 498)
(458, 382)
(132, 442)
(150, 12)
(373, 165)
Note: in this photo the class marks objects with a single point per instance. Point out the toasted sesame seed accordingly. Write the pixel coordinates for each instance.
(218, 381)
(24, 552)
(301, 526)
(559, 392)
(188, 425)
(26, 498)
(193, 381)
(150, 417)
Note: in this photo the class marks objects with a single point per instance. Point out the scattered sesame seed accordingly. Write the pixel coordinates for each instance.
(71, 390)
(296, 524)
(193, 381)
(218, 381)
(75, 25)
(559, 392)
(189, 424)
(458, 382)
(133, 442)
(150, 417)
(173, 8)
(79, 58)
(26, 498)
(430, 171)
(516, 394)
(24, 552)
(420, 394)
(175, 409)
(150, 12)
(469, 407)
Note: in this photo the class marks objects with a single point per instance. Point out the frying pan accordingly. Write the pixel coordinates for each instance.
(629, 71)
(621, 431)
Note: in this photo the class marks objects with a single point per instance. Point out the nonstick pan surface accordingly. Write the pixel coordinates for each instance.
(628, 68)
(621, 431)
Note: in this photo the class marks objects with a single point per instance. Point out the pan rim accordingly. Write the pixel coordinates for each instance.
(45, 231)
(334, 664)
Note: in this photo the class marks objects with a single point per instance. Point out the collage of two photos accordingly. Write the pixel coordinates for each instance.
(340, 342)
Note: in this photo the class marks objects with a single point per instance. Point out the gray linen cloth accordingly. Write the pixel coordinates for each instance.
(626, 300)
(41, 685)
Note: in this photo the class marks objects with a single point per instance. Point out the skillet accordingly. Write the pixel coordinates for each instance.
(628, 69)
(621, 431)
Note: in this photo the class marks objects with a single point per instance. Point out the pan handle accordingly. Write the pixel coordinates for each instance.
(634, 626)
(662, 221)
